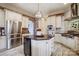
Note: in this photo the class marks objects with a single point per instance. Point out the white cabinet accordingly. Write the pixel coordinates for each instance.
(10, 15)
(58, 21)
(1, 18)
(2, 42)
(34, 49)
(51, 21)
(70, 42)
(41, 48)
(67, 14)
(25, 21)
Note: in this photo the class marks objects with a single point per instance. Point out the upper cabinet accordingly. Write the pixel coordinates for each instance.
(51, 21)
(10, 15)
(56, 21)
(2, 24)
(25, 21)
(67, 14)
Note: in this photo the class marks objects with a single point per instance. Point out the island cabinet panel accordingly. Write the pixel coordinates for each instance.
(41, 48)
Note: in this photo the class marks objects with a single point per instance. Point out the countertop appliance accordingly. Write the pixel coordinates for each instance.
(50, 31)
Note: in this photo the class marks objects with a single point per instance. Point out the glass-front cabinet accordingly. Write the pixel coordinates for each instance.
(73, 25)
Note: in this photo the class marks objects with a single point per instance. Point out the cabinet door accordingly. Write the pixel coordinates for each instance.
(48, 46)
(44, 48)
(25, 21)
(58, 21)
(35, 48)
(67, 14)
(40, 48)
(1, 18)
(2, 42)
(10, 15)
(51, 21)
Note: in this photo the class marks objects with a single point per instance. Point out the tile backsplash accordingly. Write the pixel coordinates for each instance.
(74, 25)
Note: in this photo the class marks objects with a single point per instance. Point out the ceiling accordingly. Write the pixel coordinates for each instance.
(31, 8)
(45, 8)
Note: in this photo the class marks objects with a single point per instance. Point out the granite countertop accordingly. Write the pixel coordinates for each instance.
(45, 37)
(70, 34)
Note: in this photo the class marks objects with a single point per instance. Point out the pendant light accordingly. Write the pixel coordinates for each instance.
(38, 13)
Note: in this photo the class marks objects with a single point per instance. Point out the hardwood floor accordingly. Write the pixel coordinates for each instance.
(18, 51)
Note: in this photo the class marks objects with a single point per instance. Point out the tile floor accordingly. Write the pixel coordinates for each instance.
(18, 51)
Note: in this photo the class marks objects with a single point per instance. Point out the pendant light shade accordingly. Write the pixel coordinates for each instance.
(38, 15)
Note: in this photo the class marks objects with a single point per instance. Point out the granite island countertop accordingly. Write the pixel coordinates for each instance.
(45, 37)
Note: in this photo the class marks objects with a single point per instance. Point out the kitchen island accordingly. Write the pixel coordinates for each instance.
(41, 46)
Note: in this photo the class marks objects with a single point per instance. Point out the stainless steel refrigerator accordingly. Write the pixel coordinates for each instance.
(13, 33)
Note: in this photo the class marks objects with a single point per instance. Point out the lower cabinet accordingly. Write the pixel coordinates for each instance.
(41, 48)
(2, 42)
